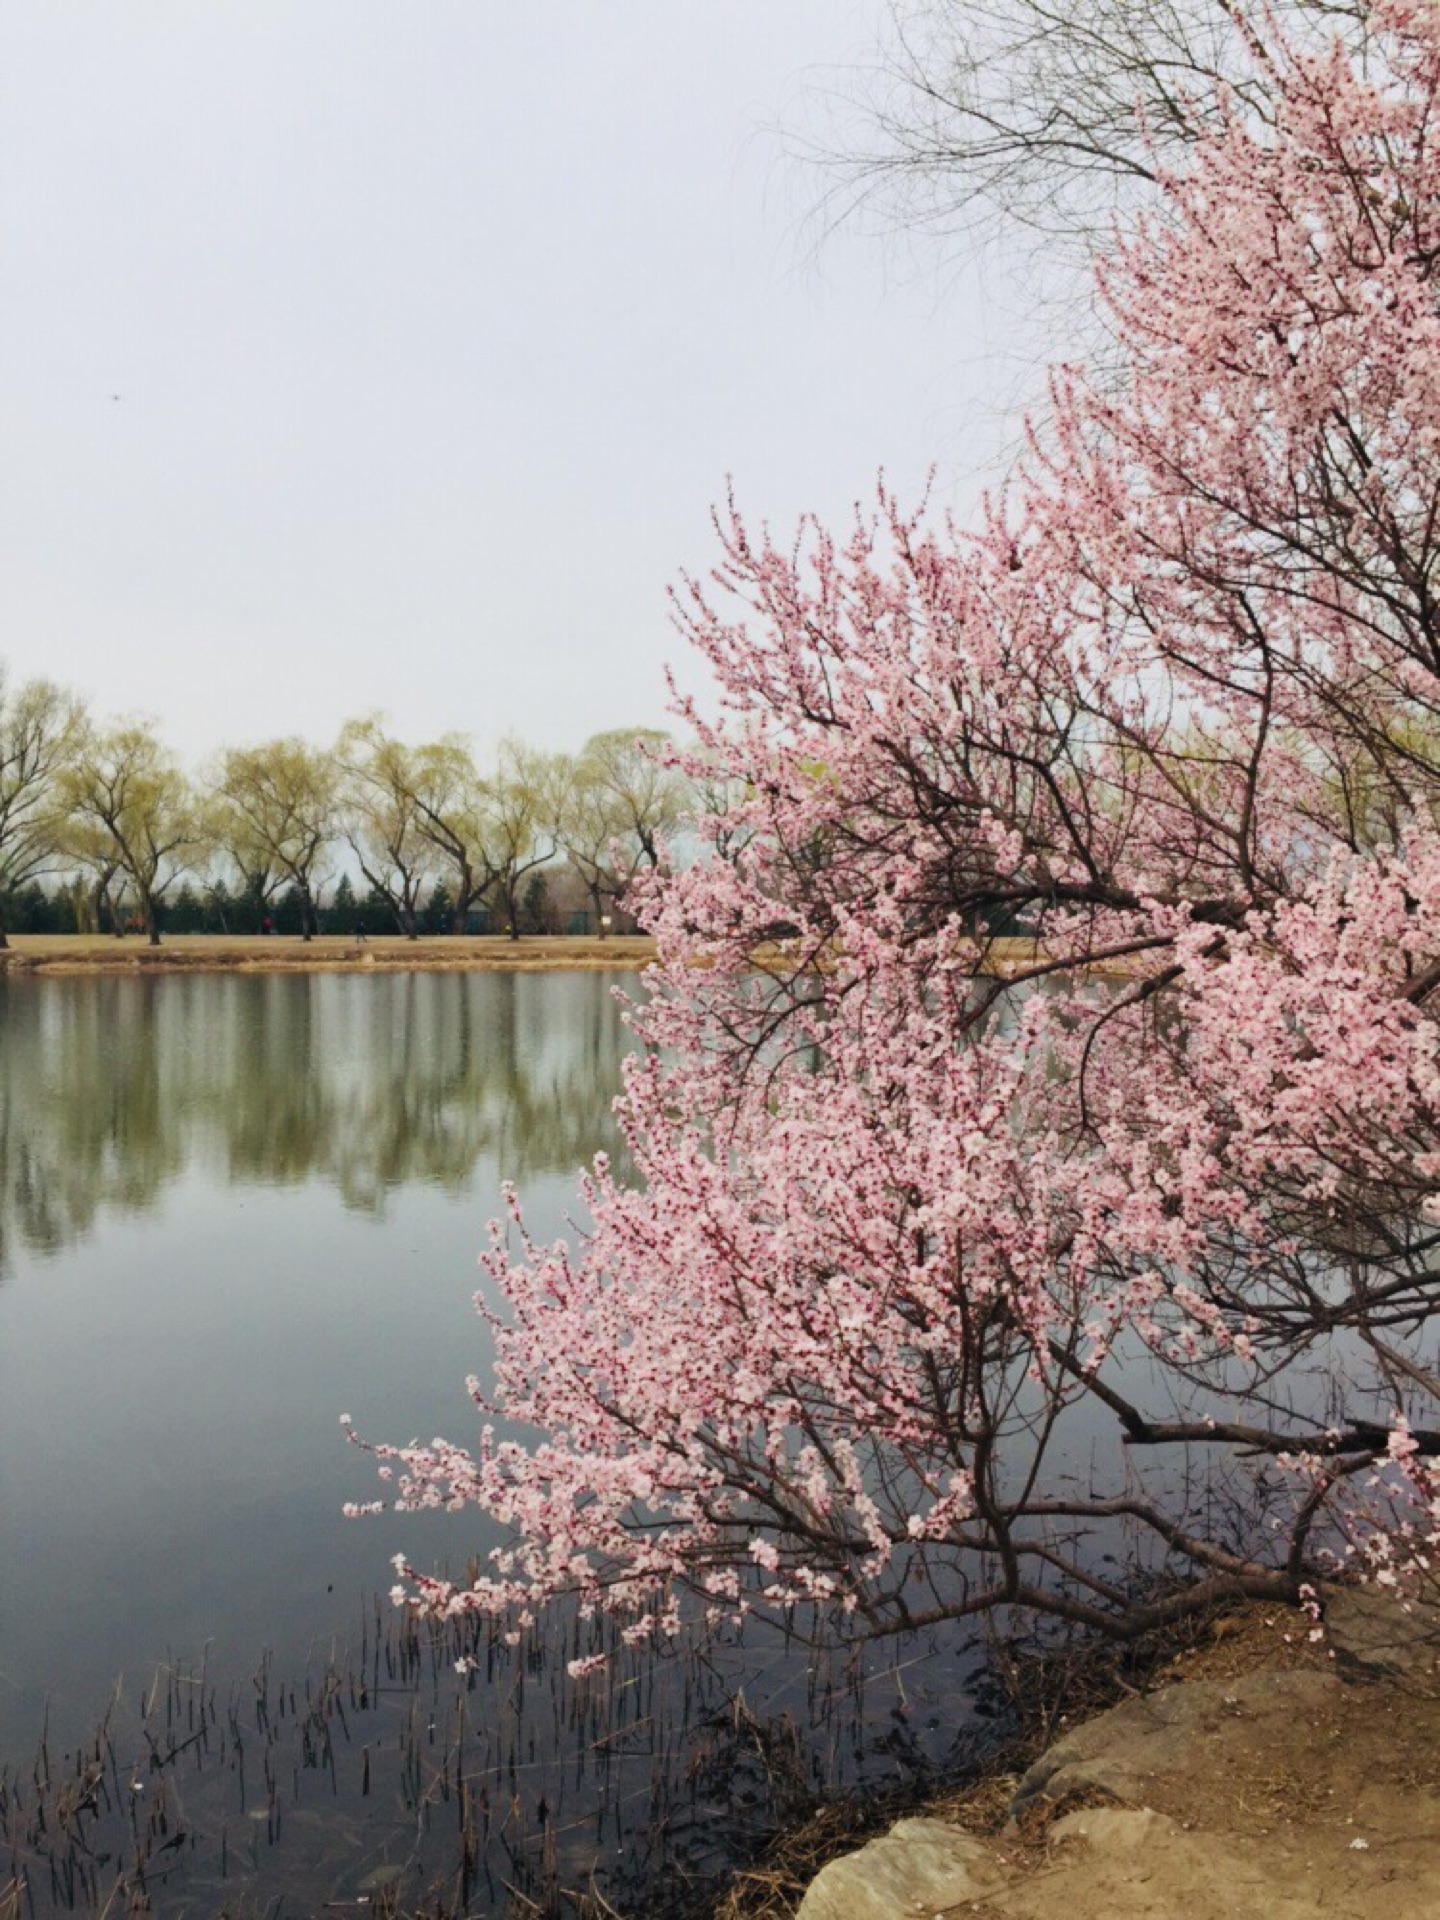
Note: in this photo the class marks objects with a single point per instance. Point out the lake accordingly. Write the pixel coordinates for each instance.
(233, 1208)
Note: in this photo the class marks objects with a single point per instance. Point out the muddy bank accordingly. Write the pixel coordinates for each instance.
(39, 954)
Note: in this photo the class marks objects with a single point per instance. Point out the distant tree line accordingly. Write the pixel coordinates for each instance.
(102, 830)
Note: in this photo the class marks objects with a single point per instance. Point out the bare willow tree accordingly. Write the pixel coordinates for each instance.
(1053, 117)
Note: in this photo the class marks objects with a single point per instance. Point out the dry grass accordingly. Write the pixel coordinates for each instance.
(69, 953)
(46, 953)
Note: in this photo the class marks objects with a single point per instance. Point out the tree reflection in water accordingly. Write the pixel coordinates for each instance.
(112, 1088)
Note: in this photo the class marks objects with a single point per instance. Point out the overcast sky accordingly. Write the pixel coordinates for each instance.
(390, 353)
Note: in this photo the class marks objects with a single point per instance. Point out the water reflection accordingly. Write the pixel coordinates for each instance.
(235, 1207)
(107, 1096)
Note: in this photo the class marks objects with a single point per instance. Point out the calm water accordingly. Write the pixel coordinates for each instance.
(232, 1209)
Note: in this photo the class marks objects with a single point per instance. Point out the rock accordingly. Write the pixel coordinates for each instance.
(1372, 1634)
(918, 1868)
(1116, 1829)
(1121, 1753)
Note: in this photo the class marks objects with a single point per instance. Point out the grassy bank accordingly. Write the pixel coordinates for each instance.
(43, 953)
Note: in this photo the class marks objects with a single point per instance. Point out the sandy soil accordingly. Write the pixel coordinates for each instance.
(330, 953)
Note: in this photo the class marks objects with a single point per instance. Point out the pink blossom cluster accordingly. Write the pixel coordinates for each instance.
(1402, 1555)
(1050, 1031)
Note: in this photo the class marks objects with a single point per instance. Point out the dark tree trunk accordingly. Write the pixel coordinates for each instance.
(105, 904)
(465, 891)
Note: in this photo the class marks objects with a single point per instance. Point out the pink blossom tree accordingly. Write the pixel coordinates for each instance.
(1036, 1126)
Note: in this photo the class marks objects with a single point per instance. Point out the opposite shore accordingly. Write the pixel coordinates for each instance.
(42, 953)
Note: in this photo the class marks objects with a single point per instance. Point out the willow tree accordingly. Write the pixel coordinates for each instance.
(125, 790)
(40, 728)
(522, 810)
(620, 800)
(382, 820)
(275, 808)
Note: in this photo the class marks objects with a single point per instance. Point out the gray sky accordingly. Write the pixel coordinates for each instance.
(436, 327)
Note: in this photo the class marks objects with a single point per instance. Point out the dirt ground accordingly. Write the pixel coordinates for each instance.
(67, 953)
(44, 953)
(1259, 1775)
(1265, 1781)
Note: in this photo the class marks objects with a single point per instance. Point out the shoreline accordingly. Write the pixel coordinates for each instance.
(41, 954)
(1074, 1685)
(1304, 1764)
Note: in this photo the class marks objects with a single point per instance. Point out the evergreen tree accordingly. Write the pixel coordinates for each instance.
(341, 916)
(439, 913)
(187, 915)
(288, 913)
